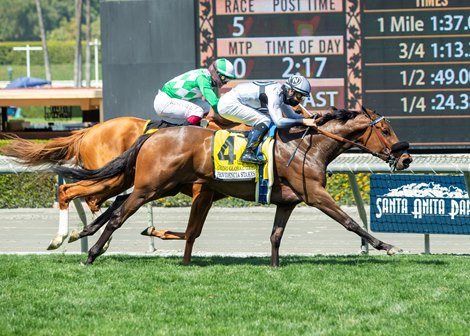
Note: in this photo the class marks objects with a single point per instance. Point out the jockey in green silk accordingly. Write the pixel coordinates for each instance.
(180, 100)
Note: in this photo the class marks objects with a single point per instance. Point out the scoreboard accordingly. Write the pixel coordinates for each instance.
(407, 59)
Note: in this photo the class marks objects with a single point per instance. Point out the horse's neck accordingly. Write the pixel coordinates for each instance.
(315, 149)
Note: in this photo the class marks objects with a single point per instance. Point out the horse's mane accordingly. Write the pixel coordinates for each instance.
(335, 114)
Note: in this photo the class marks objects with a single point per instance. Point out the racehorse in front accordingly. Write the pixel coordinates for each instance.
(92, 148)
(173, 158)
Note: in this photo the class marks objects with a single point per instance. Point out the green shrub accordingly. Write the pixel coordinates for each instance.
(338, 186)
(28, 190)
(36, 190)
(39, 190)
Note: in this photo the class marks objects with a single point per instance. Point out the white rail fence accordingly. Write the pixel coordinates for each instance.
(350, 164)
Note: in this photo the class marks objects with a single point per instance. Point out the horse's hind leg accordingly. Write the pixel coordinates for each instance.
(63, 231)
(189, 190)
(202, 202)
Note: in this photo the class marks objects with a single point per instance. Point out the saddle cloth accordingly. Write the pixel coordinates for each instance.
(227, 148)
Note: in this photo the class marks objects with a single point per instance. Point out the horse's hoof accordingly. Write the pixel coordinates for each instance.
(56, 242)
(84, 263)
(148, 231)
(74, 236)
(394, 250)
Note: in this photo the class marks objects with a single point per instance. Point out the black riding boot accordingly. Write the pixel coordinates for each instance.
(254, 139)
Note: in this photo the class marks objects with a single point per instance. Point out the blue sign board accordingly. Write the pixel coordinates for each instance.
(419, 204)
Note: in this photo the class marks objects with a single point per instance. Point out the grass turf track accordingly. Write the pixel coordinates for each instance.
(322, 295)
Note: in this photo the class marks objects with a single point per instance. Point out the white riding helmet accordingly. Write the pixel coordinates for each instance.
(299, 84)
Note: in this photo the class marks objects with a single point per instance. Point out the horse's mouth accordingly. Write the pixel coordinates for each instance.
(403, 162)
(401, 158)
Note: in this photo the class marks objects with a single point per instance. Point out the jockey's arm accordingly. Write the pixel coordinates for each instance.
(283, 115)
(208, 92)
(290, 113)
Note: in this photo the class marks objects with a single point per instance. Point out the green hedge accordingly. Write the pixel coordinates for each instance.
(38, 190)
(27, 190)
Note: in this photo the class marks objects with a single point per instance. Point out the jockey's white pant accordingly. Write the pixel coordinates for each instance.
(177, 110)
(229, 107)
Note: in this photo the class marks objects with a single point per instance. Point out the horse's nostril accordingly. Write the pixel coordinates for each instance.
(407, 162)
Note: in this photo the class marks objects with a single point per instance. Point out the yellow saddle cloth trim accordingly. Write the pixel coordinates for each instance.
(148, 128)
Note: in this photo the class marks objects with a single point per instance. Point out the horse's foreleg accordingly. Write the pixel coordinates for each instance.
(201, 204)
(71, 191)
(133, 202)
(280, 221)
(102, 219)
(63, 231)
(324, 202)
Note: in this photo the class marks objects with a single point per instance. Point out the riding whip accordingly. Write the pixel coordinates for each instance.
(298, 145)
(303, 136)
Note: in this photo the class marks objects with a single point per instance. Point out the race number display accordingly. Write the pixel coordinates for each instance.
(408, 59)
(279, 38)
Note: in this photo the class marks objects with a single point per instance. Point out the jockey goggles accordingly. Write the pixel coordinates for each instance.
(224, 79)
(299, 96)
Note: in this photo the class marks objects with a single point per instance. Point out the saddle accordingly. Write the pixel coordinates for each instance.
(152, 126)
(215, 122)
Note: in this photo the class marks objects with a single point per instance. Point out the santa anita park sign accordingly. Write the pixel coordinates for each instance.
(419, 204)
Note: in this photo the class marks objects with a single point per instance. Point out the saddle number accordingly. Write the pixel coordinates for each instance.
(228, 146)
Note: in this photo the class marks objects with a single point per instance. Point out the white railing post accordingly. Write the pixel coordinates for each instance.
(28, 49)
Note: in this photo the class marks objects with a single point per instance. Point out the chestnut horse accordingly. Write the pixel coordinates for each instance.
(91, 148)
(173, 158)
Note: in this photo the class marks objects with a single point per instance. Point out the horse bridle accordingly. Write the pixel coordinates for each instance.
(388, 156)
(399, 147)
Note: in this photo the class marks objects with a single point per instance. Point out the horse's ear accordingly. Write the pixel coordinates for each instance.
(367, 112)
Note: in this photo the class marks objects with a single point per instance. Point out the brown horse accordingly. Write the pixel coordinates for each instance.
(91, 148)
(174, 158)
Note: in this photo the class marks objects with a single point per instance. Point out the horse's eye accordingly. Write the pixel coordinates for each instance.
(386, 132)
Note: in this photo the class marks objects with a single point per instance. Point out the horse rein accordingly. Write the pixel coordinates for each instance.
(387, 157)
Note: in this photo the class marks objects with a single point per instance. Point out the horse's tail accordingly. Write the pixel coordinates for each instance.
(58, 150)
(124, 163)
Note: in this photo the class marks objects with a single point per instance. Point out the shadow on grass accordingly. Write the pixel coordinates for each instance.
(210, 261)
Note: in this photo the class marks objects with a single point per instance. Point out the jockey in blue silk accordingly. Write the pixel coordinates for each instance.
(259, 103)
(180, 101)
